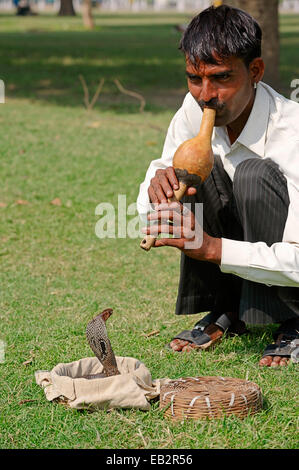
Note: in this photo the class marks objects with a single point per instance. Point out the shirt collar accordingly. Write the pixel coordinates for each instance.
(253, 136)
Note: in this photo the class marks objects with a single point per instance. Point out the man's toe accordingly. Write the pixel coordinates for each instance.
(190, 347)
(276, 361)
(178, 344)
(284, 361)
(274, 364)
(187, 348)
(266, 361)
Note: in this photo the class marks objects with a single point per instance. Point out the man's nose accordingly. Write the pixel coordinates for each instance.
(208, 91)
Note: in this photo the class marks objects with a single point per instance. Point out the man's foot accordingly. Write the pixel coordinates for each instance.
(287, 332)
(213, 331)
(275, 361)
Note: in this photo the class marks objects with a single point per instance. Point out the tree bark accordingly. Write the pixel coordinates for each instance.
(266, 14)
(87, 14)
(66, 8)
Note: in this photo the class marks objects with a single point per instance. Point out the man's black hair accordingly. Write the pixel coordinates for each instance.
(223, 30)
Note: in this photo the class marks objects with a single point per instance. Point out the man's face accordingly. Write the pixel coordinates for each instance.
(226, 86)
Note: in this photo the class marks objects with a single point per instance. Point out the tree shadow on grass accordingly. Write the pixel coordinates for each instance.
(45, 66)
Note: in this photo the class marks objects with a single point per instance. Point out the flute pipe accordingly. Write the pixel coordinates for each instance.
(149, 240)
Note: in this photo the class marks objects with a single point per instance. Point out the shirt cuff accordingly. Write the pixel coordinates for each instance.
(235, 257)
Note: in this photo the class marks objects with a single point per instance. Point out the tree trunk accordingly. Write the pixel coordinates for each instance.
(266, 14)
(87, 14)
(66, 8)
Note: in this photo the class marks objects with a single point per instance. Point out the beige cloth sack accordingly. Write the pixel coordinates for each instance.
(69, 383)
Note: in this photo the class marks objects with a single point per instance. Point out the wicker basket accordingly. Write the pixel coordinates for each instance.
(210, 397)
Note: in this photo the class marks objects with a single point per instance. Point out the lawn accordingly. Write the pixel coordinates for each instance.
(56, 274)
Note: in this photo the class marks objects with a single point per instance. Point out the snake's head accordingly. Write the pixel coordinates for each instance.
(106, 314)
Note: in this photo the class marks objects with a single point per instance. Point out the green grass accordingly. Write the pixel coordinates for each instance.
(55, 274)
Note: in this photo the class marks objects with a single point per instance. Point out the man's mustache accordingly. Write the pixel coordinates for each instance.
(213, 103)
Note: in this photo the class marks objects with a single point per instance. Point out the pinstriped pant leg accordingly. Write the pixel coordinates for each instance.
(203, 287)
(262, 200)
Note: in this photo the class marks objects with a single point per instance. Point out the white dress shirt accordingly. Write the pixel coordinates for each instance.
(272, 131)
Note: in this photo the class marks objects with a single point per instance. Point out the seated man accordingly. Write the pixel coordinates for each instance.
(247, 268)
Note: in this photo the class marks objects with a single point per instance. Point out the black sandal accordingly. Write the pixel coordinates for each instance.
(289, 341)
(201, 339)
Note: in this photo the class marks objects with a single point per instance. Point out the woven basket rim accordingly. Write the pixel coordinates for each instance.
(210, 396)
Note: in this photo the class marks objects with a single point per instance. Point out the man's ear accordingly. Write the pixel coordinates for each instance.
(257, 69)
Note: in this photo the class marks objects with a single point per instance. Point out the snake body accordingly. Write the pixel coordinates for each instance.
(98, 340)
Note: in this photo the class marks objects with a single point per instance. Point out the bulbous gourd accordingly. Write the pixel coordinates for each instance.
(193, 162)
(195, 155)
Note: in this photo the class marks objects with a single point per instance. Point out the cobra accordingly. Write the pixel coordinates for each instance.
(97, 337)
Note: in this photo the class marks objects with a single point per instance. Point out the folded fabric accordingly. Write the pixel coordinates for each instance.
(79, 385)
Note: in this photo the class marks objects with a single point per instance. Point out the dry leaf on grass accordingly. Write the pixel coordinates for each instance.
(26, 401)
(29, 361)
(3, 204)
(22, 202)
(56, 202)
(94, 125)
(151, 333)
(150, 143)
(142, 437)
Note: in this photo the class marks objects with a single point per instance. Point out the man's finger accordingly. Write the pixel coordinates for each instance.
(172, 178)
(169, 206)
(157, 189)
(173, 210)
(155, 230)
(152, 196)
(165, 185)
(191, 191)
(160, 215)
(174, 242)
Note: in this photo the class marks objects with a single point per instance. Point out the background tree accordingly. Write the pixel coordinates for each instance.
(87, 14)
(267, 15)
(66, 8)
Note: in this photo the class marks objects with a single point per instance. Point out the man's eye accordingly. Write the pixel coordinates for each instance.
(194, 79)
(225, 76)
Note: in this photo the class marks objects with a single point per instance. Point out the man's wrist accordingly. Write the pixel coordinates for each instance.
(214, 250)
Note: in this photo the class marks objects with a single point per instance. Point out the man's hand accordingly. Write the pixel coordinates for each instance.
(177, 220)
(163, 184)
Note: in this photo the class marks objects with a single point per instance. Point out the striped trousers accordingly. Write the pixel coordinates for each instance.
(253, 208)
